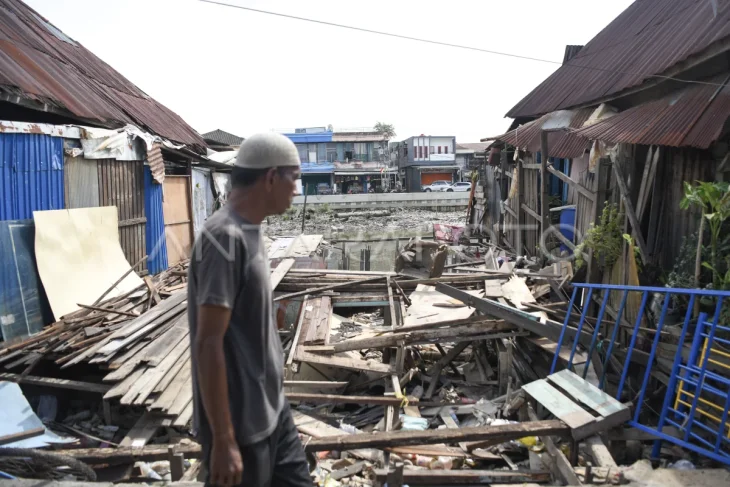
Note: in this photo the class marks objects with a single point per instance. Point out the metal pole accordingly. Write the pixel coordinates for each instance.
(304, 210)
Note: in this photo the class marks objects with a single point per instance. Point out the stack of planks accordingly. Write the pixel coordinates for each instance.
(144, 329)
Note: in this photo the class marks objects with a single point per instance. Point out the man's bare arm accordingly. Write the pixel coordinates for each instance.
(212, 377)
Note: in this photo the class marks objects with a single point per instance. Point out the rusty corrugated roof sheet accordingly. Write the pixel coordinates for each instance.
(648, 38)
(692, 117)
(561, 141)
(38, 62)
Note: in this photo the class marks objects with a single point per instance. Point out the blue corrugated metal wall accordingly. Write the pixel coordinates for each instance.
(31, 175)
(155, 229)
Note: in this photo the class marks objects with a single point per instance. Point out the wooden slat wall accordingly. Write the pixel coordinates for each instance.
(675, 167)
(178, 220)
(121, 184)
(81, 182)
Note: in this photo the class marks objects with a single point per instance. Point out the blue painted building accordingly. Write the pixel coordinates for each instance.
(333, 161)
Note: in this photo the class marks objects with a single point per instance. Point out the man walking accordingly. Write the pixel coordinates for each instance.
(241, 416)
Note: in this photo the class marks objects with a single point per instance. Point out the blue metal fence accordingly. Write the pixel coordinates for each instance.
(31, 175)
(697, 397)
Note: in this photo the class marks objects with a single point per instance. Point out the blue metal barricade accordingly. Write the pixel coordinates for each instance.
(697, 397)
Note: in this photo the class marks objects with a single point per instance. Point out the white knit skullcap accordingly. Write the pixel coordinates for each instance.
(267, 150)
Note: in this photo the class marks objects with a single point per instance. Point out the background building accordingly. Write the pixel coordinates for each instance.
(342, 161)
(424, 159)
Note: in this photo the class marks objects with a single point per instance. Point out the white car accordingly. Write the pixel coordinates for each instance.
(437, 186)
(462, 186)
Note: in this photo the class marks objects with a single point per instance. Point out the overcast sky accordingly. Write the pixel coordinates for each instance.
(244, 72)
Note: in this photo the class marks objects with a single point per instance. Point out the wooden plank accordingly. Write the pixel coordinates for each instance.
(152, 289)
(572, 183)
(321, 328)
(455, 334)
(144, 430)
(467, 477)
(73, 385)
(588, 394)
(298, 333)
(21, 435)
(122, 388)
(558, 404)
(629, 208)
(314, 384)
(505, 432)
(182, 399)
(174, 370)
(329, 288)
(107, 310)
(185, 416)
(278, 274)
(339, 399)
(450, 423)
(530, 212)
(318, 429)
(544, 182)
(120, 456)
(343, 473)
(344, 362)
(598, 451)
(562, 465)
(167, 398)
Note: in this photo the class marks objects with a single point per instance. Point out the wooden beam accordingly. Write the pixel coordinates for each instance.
(505, 432)
(467, 477)
(118, 456)
(339, 399)
(510, 210)
(545, 191)
(572, 183)
(56, 383)
(519, 249)
(563, 466)
(629, 207)
(281, 270)
(530, 212)
(107, 310)
(21, 435)
(329, 288)
(598, 205)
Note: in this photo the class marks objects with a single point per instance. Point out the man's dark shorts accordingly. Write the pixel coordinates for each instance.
(277, 461)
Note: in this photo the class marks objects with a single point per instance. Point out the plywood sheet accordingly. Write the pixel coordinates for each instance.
(79, 256)
(178, 220)
(430, 306)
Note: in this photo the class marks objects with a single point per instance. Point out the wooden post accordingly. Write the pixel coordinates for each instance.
(600, 191)
(504, 190)
(190, 199)
(304, 209)
(177, 463)
(544, 193)
(519, 248)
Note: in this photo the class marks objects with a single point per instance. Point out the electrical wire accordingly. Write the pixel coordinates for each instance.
(458, 46)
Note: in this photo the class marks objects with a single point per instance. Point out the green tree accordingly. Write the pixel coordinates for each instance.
(386, 129)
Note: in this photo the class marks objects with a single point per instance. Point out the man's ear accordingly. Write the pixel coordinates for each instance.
(271, 175)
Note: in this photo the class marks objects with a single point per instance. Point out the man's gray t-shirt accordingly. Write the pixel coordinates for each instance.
(229, 268)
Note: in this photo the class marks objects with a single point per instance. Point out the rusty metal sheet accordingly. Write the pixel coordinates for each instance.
(648, 38)
(40, 63)
(692, 117)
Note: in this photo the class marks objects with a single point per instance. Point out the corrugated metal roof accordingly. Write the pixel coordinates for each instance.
(474, 146)
(561, 142)
(223, 137)
(31, 175)
(39, 63)
(692, 117)
(648, 38)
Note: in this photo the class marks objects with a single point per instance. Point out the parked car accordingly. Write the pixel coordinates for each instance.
(462, 186)
(437, 186)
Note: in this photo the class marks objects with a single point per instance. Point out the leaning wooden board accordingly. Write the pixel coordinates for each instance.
(563, 393)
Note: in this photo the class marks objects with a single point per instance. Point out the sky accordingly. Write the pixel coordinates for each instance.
(245, 72)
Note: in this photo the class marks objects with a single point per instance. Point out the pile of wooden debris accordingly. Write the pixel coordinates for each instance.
(391, 377)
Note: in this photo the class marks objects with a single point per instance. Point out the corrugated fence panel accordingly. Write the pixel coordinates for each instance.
(155, 228)
(203, 202)
(121, 184)
(24, 308)
(31, 175)
(81, 183)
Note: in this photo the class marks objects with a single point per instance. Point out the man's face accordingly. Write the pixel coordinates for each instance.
(281, 185)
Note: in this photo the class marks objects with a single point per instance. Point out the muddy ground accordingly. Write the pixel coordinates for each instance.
(400, 222)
